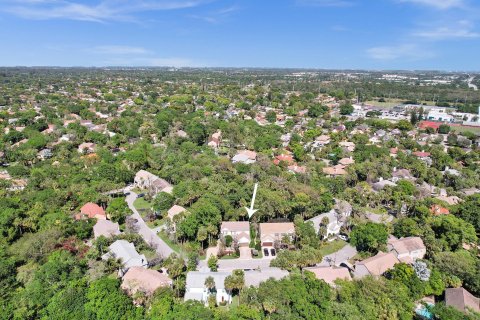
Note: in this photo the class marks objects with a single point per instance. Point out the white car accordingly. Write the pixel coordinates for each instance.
(343, 237)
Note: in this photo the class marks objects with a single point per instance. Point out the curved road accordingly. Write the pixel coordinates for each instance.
(147, 234)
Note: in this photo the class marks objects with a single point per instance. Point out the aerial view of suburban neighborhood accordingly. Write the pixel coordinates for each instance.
(184, 192)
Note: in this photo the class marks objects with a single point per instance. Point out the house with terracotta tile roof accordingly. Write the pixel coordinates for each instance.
(287, 158)
(438, 210)
(91, 210)
(338, 170)
(346, 161)
(376, 265)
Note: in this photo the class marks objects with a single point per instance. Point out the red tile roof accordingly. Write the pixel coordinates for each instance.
(92, 210)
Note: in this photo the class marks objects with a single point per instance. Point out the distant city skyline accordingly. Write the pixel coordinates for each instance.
(309, 34)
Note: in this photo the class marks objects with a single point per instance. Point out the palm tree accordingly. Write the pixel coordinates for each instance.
(210, 283)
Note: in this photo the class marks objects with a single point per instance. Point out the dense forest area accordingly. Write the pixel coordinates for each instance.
(162, 121)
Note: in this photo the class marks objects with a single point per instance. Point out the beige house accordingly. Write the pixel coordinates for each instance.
(376, 265)
(330, 274)
(238, 230)
(146, 180)
(407, 249)
(462, 300)
(271, 232)
(138, 279)
(173, 211)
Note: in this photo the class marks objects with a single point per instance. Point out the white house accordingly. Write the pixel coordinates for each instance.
(336, 218)
(196, 289)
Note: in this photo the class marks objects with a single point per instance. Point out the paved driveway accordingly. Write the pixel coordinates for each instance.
(147, 234)
(245, 253)
(340, 256)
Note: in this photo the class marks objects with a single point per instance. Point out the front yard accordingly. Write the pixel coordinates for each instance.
(332, 247)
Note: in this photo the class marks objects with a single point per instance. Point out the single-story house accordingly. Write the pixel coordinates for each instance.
(287, 158)
(255, 277)
(126, 252)
(173, 211)
(87, 147)
(215, 139)
(381, 184)
(462, 300)
(245, 157)
(338, 170)
(138, 279)
(105, 228)
(238, 230)
(376, 265)
(195, 288)
(330, 274)
(91, 210)
(407, 249)
(271, 232)
(346, 161)
(438, 210)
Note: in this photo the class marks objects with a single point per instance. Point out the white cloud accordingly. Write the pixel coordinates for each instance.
(438, 4)
(216, 16)
(100, 11)
(463, 30)
(325, 3)
(403, 51)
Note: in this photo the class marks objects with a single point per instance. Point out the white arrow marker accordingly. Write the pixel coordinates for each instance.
(250, 210)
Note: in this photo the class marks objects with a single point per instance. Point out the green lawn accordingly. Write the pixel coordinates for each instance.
(229, 257)
(331, 247)
(142, 204)
(461, 129)
(175, 246)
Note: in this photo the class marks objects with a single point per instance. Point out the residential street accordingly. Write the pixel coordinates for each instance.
(233, 264)
(147, 234)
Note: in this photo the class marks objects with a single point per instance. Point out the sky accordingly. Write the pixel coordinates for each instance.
(324, 34)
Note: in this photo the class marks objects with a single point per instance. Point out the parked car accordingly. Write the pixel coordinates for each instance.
(265, 252)
(273, 253)
(343, 237)
(141, 195)
(126, 193)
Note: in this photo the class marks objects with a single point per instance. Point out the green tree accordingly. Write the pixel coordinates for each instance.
(346, 109)
(106, 301)
(370, 237)
(213, 263)
(444, 129)
(271, 116)
(117, 210)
